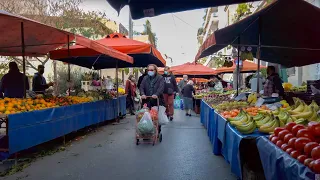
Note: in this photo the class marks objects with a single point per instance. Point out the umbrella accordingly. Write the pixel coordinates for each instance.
(148, 8)
(143, 53)
(247, 66)
(283, 35)
(192, 69)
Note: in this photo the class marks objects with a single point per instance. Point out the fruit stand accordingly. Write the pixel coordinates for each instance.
(28, 129)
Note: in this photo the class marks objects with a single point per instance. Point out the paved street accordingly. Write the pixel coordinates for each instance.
(184, 154)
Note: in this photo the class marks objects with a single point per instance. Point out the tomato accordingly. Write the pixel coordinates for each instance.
(295, 154)
(296, 128)
(311, 165)
(302, 158)
(290, 125)
(287, 137)
(283, 133)
(289, 150)
(279, 143)
(307, 161)
(291, 142)
(284, 147)
(305, 133)
(308, 148)
(316, 166)
(300, 143)
(314, 128)
(315, 153)
(277, 130)
(275, 139)
(271, 136)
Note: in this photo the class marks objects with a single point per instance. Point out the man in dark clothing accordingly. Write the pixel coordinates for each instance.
(141, 78)
(39, 84)
(170, 89)
(273, 83)
(12, 83)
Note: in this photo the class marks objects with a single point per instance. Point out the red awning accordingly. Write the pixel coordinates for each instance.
(142, 53)
(39, 38)
(192, 69)
(247, 66)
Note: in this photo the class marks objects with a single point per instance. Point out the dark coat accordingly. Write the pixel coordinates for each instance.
(145, 87)
(170, 84)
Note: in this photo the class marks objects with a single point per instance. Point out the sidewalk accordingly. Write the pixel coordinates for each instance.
(184, 154)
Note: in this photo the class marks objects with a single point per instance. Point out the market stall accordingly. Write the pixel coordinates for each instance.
(32, 121)
(247, 66)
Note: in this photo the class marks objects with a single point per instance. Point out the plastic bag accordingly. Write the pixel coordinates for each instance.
(163, 119)
(181, 104)
(177, 103)
(145, 126)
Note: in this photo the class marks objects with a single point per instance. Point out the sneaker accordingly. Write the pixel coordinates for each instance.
(190, 115)
(187, 114)
(171, 118)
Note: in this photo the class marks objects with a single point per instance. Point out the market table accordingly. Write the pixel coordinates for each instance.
(32, 128)
(278, 165)
(229, 142)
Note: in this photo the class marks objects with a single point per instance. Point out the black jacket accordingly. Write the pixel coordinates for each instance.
(170, 84)
(140, 80)
(148, 90)
(187, 91)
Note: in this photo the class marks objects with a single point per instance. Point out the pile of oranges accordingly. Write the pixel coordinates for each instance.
(13, 105)
(253, 111)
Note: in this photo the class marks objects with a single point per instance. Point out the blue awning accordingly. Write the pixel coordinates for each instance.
(289, 32)
(148, 8)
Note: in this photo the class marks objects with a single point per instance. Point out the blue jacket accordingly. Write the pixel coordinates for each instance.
(39, 84)
(12, 85)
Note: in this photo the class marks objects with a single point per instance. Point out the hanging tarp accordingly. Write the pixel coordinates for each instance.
(142, 8)
(286, 37)
(247, 66)
(39, 38)
(143, 53)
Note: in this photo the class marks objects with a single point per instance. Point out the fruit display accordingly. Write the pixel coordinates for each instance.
(288, 87)
(12, 105)
(252, 111)
(244, 123)
(229, 105)
(252, 98)
(301, 142)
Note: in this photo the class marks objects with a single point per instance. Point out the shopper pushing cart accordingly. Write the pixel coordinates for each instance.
(152, 85)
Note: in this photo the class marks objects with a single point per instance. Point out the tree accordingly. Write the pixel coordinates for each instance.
(243, 10)
(152, 37)
(62, 14)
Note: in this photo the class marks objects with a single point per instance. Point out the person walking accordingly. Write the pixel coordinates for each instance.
(131, 93)
(170, 89)
(152, 85)
(182, 83)
(188, 92)
(12, 83)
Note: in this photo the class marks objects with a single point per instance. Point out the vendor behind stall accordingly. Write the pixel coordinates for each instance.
(216, 84)
(39, 83)
(273, 83)
(12, 83)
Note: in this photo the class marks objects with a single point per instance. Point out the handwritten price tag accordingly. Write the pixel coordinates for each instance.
(240, 97)
(259, 102)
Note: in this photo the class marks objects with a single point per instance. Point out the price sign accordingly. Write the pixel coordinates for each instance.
(240, 97)
(259, 102)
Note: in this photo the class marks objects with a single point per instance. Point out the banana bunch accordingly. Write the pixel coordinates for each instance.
(303, 111)
(271, 124)
(284, 117)
(252, 98)
(243, 123)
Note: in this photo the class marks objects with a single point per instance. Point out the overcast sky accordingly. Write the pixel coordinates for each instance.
(176, 38)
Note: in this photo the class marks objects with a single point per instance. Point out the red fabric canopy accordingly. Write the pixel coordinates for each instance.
(192, 69)
(247, 66)
(116, 41)
(39, 39)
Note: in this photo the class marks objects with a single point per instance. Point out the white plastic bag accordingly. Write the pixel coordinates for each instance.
(145, 126)
(163, 119)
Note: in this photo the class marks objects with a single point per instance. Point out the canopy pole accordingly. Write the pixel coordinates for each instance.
(238, 66)
(69, 73)
(258, 55)
(23, 61)
(117, 86)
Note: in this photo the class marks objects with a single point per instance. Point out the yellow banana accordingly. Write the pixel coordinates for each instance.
(304, 115)
(248, 128)
(267, 128)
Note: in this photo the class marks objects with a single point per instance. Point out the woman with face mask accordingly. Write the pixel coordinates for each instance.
(170, 89)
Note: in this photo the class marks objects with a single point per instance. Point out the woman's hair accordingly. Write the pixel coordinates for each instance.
(130, 77)
(155, 67)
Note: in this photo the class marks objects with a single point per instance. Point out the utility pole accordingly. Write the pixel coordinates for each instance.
(130, 36)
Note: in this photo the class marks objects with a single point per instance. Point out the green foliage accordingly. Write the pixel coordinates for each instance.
(202, 60)
(152, 37)
(4, 68)
(263, 72)
(76, 77)
(242, 11)
(200, 31)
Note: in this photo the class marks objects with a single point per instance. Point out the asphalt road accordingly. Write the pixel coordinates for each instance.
(111, 154)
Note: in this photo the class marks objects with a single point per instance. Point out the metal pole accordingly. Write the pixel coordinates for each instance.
(258, 55)
(238, 66)
(117, 86)
(130, 27)
(69, 73)
(23, 61)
